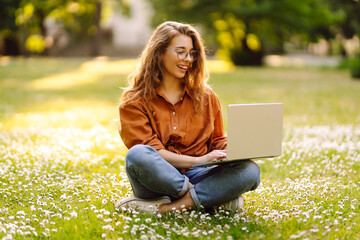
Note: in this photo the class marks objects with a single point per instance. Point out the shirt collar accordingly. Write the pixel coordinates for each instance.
(185, 91)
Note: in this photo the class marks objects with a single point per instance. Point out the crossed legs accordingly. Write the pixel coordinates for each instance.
(151, 176)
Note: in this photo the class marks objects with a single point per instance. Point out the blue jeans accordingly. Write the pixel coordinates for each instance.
(151, 176)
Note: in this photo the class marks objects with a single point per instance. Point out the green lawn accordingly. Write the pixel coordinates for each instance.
(62, 160)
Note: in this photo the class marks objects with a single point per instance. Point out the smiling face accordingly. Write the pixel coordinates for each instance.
(173, 66)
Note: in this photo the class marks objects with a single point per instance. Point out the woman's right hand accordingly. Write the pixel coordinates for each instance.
(212, 156)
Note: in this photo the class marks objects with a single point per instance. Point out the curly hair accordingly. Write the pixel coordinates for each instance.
(149, 72)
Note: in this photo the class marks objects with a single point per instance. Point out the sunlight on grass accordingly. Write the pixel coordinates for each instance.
(65, 113)
(65, 80)
(4, 61)
(88, 73)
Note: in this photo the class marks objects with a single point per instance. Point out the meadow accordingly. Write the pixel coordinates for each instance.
(62, 160)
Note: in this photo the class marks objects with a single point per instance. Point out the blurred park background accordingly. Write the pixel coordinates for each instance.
(255, 32)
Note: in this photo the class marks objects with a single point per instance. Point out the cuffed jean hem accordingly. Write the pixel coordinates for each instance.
(194, 197)
(184, 188)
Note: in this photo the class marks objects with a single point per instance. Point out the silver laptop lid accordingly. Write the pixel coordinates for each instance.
(254, 130)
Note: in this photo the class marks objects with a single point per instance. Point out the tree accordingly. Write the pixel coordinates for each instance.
(351, 27)
(78, 16)
(267, 22)
(24, 19)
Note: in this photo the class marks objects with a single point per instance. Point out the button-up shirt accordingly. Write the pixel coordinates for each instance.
(174, 127)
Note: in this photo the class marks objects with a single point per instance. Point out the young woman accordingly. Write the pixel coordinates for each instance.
(170, 119)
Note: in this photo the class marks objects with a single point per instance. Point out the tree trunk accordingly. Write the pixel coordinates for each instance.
(11, 46)
(41, 15)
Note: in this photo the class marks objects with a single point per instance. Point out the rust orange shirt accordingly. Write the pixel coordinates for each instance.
(174, 127)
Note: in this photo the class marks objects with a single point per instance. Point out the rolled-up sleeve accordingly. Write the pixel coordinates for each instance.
(135, 127)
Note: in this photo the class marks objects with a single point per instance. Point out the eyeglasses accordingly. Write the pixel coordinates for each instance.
(182, 54)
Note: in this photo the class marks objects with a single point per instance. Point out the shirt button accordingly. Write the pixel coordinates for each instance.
(174, 128)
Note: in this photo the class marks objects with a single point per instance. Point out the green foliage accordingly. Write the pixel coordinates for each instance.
(352, 63)
(7, 15)
(355, 67)
(76, 15)
(35, 43)
(272, 22)
(79, 17)
(235, 45)
(350, 24)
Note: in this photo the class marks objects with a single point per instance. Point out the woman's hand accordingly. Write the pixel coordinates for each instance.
(212, 156)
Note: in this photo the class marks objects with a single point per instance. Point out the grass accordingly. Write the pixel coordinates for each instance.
(62, 160)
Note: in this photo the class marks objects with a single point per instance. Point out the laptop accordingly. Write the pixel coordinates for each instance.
(254, 131)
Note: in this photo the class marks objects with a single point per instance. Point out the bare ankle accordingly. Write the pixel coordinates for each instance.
(162, 208)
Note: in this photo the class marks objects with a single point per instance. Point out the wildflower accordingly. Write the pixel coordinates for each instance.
(108, 227)
(73, 214)
(63, 197)
(20, 213)
(46, 213)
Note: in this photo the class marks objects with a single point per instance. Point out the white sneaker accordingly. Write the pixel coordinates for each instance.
(233, 205)
(142, 205)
